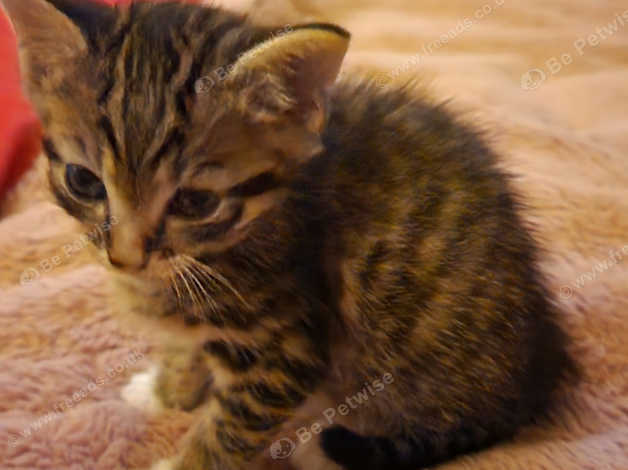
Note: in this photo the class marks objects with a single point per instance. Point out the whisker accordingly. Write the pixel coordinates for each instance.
(198, 269)
(216, 276)
(187, 286)
(175, 284)
(198, 300)
(208, 296)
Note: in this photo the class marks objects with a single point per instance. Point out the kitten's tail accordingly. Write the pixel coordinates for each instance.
(355, 452)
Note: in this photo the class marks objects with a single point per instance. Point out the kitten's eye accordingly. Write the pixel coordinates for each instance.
(194, 204)
(83, 183)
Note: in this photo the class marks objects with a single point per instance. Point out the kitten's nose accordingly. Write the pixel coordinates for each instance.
(127, 247)
(125, 265)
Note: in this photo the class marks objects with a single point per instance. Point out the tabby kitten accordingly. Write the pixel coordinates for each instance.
(340, 267)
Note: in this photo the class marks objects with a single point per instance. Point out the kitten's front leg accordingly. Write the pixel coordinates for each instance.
(181, 381)
(245, 412)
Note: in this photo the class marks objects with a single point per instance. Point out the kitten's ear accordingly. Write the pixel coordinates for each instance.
(51, 32)
(304, 63)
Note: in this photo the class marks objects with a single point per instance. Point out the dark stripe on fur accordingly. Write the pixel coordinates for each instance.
(107, 128)
(267, 395)
(174, 139)
(256, 185)
(50, 150)
(251, 421)
(235, 357)
(212, 231)
(233, 444)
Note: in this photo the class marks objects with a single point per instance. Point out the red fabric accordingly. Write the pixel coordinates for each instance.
(20, 131)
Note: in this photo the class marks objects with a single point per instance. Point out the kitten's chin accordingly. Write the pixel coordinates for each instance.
(148, 307)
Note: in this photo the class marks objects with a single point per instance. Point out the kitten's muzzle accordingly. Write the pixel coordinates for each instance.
(129, 267)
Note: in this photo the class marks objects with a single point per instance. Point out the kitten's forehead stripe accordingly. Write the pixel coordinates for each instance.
(173, 140)
(113, 49)
(153, 62)
(50, 150)
(107, 127)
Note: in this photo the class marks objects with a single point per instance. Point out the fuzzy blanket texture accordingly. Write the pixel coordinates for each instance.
(547, 80)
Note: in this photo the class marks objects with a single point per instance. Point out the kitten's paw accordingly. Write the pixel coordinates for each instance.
(141, 393)
(183, 379)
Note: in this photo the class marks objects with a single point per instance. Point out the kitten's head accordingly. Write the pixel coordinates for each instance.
(179, 125)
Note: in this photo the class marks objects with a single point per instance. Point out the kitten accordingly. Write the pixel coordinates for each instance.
(339, 266)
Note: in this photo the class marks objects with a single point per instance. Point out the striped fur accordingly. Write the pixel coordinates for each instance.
(342, 234)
